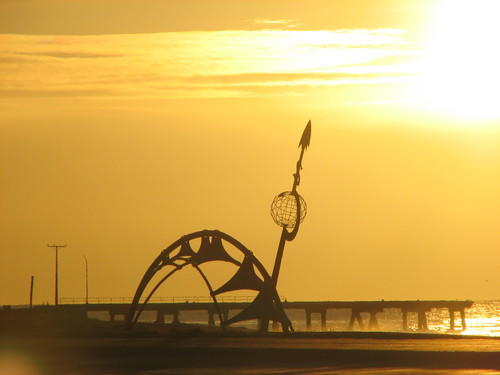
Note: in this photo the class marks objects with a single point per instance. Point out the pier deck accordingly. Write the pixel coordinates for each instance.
(162, 309)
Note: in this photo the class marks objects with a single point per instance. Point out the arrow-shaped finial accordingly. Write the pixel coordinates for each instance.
(304, 143)
(306, 136)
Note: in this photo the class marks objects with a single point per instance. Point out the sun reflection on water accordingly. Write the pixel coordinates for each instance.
(483, 319)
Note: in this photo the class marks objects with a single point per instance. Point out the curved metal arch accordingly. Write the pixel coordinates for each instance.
(153, 291)
(164, 259)
(211, 291)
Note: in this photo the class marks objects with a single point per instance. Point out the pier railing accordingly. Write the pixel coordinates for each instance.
(175, 299)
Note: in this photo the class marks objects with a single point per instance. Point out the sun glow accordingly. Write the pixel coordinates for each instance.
(460, 71)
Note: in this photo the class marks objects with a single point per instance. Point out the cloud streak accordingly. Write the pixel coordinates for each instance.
(71, 55)
(194, 63)
(277, 24)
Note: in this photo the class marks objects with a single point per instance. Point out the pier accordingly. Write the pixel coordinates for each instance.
(119, 308)
(373, 307)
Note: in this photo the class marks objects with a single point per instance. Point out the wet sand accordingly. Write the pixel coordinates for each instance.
(201, 353)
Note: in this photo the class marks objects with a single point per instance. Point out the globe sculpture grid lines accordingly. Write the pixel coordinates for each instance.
(288, 210)
(284, 209)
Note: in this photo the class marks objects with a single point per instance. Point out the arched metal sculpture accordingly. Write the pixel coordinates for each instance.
(288, 211)
(180, 254)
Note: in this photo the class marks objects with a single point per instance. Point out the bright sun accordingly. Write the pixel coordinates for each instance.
(461, 70)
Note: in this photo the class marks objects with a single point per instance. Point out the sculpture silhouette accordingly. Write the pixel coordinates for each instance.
(288, 211)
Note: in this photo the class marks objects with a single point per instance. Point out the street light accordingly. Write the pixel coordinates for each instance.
(57, 282)
(86, 280)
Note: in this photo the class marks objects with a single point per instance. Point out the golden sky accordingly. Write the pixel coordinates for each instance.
(127, 124)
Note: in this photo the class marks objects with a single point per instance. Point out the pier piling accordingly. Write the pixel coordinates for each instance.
(420, 308)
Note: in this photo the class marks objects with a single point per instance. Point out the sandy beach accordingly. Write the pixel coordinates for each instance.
(208, 353)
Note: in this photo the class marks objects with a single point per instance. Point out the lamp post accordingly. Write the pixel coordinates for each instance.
(86, 280)
(57, 275)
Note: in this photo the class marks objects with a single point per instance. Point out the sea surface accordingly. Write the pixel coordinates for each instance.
(482, 319)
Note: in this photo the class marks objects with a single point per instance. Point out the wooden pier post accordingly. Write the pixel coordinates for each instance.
(355, 316)
(323, 320)
(373, 324)
(452, 318)
(175, 319)
(308, 320)
(462, 316)
(422, 321)
(211, 320)
(160, 317)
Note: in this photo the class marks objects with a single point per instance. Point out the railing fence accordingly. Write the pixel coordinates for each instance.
(174, 299)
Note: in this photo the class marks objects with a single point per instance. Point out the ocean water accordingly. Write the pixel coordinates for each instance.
(482, 319)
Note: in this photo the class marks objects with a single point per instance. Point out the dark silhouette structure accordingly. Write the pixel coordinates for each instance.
(288, 210)
(363, 314)
(250, 274)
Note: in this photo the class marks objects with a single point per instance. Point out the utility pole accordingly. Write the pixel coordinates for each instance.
(86, 280)
(57, 274)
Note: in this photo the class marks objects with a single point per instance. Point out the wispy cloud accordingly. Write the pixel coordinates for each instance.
(277, 24)
(71, 55)
(54, 93)
(194, 63)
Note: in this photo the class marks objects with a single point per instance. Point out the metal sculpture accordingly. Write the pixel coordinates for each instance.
(181, 254)
(288, 210)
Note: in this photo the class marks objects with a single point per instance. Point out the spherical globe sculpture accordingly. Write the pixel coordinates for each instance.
(284, 209)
